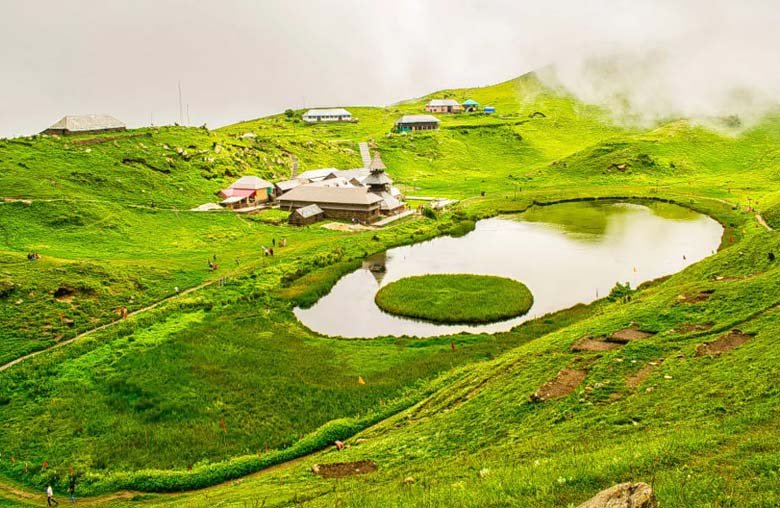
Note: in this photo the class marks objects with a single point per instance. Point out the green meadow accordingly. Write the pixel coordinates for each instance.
(187, 403)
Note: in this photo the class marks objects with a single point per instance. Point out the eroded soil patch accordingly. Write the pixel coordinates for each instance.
(591, 344)
(694, 327)
(564, 383)
(629, 334)
(344, 469)
(701, 296)
(639, 377)
(724, 343)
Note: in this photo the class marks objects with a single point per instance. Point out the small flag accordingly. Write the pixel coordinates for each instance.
(222, 424)
(452, 345)
(361, 381)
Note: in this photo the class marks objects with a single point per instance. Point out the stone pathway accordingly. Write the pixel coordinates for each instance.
(393, 218)
(365, 154)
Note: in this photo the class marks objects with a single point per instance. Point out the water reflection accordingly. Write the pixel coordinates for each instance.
(574, 257)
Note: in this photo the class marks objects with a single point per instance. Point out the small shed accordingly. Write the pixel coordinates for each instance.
(470, 105)
(306, 215)
(417, 123)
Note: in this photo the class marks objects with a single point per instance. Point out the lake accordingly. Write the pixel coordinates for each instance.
(566, 254)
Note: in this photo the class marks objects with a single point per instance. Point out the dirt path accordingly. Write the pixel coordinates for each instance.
(107, 325)
(761, 221)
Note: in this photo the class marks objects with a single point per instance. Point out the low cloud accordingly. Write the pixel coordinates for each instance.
(239, 60)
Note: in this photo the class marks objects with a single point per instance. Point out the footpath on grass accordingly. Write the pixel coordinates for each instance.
(106, 325)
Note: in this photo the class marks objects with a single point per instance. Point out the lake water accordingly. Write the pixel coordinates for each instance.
(566, 254)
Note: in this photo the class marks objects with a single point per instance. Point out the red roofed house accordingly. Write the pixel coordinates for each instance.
(246, 191)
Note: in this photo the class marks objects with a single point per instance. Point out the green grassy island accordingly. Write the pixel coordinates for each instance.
(456, 298)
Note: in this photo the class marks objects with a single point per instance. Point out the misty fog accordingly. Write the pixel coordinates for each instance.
(238, 60)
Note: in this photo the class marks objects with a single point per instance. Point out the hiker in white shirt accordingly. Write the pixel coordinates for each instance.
(50, 496)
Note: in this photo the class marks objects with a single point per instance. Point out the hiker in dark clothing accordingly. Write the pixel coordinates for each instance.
(273, 242)
(72, 489)
(271, 251)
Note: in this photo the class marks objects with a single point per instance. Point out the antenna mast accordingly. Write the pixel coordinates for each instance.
(181, 110)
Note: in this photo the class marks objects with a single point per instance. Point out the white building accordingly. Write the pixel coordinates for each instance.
(327, 115)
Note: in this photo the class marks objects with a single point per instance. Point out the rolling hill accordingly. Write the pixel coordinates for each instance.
(224, 381)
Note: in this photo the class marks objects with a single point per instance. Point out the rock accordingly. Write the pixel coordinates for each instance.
(409, 479)
(624, 495)
(315, 469)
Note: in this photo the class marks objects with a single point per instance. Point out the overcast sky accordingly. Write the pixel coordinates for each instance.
(241, 59)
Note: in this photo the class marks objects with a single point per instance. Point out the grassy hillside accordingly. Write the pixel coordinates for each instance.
(219, 378)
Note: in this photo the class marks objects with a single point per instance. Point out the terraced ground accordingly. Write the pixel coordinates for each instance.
(222, 382)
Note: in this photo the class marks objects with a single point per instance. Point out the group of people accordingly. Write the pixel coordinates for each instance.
(267, 251)
(33, 256)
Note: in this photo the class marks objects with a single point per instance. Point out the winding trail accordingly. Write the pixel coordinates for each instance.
(106, 325)
(761, 221)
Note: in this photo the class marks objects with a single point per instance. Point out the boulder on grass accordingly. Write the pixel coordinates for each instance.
(624, 495)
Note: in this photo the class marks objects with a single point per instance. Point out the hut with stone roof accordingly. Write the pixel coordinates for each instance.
(85, 124)
(306, 215)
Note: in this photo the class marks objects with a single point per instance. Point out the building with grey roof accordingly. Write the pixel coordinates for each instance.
(327, 115)
(443, 106)
(417, 123)
(351, 203)
(306, 215)
(85, 124)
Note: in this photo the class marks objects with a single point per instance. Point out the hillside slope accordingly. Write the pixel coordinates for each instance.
(228, 371)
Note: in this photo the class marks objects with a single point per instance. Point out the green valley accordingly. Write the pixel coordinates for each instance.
(211, 393)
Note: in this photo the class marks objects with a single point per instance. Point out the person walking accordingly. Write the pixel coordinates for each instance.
(72, 489)
(50, 496)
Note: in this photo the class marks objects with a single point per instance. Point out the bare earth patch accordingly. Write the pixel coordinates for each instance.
(597, 344)
(724, 343)
(694, 327)
(627, 335)
(564, 384)
(701, 296)
(639, 377)
(340, 226)
(344, 469)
